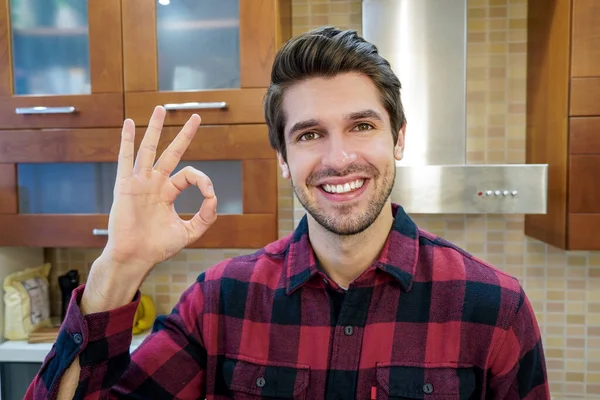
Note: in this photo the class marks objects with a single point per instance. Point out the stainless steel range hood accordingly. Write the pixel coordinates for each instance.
(426, 43)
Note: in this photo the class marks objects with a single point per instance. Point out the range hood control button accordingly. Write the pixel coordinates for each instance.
(499, 193)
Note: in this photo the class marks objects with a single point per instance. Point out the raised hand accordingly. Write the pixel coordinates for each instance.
(143, 228)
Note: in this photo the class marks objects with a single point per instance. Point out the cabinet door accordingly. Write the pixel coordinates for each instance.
(584, 135)
(15, 378)
(212, 57)
(584, 183)
(60, 63)
(585, 57)
(585, 97)
(56, 185)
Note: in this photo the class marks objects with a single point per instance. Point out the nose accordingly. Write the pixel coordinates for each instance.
(339, 154)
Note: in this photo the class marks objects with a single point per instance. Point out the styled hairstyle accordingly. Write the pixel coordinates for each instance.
(327, 52)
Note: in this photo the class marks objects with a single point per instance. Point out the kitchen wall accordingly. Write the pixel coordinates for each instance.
(560, 284)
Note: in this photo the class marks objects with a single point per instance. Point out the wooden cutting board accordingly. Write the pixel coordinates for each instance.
(44, 335)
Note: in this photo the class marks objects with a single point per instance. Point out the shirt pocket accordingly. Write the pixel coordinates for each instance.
(396, 382)
(248, 378)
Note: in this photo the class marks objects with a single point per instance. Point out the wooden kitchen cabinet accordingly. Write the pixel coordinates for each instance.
(563, 119)
(585, 47)
(206, 56)
(56, 185)
(60, 64)
(57, 167)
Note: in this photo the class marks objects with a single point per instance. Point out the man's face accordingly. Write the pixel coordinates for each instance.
(340, 150)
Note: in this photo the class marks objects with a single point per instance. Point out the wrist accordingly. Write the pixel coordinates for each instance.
(110, 285)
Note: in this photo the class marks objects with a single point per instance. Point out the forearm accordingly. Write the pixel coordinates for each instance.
(69, 382)
(110, 285)
(103, 292)
(86, 345)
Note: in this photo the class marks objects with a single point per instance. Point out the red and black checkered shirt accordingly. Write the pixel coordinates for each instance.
(425, 321)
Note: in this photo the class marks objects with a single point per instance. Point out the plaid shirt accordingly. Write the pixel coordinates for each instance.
(425, 321)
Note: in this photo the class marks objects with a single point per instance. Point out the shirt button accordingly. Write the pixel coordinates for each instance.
(348, 330)
(77, 338)
(428, 388)
(260, 382)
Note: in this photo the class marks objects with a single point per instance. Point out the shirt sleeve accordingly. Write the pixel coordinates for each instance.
(518, 367)
(169, 363)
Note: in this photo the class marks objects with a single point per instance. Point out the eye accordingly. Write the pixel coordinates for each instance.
(308, 136)
(363, 126)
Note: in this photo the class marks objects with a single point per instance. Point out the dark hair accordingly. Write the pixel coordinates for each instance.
(327, 52)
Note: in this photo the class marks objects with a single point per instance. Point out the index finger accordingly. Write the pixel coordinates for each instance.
(126, 150)
(169, 159)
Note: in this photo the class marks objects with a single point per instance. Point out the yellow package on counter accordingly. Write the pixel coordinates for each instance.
(26, 302)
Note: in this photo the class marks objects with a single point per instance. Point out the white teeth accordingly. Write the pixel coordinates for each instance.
(345, 188)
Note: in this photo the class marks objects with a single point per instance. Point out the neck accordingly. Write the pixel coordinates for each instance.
(344, 258)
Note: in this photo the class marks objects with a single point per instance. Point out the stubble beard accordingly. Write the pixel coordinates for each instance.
(346, 219)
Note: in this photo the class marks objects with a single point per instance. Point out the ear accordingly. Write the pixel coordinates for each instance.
(399, 148)
(285, 171)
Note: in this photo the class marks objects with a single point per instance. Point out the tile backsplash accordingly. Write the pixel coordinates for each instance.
(560, 284)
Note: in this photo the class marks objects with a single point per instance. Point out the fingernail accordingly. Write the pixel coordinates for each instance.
(211, 190)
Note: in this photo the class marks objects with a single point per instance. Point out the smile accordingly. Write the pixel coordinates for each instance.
(345, 187)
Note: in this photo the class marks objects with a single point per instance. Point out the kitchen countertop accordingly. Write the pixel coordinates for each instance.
(21, 351)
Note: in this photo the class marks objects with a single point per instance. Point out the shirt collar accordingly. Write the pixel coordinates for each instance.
(398, 257)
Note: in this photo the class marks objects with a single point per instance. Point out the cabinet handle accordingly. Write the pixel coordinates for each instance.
(100, 232)
(45, 110)
(195, 106)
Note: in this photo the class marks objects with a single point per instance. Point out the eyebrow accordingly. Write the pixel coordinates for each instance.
(309, 123)
(364, 114)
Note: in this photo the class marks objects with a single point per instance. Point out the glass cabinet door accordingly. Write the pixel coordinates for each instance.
(87, 188)
(50, 47)
(63, 63)
(198, 44)
(212, 57)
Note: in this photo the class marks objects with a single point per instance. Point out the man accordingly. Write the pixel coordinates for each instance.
(358, 303)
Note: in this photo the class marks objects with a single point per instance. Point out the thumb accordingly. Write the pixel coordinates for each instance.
(204, 218)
